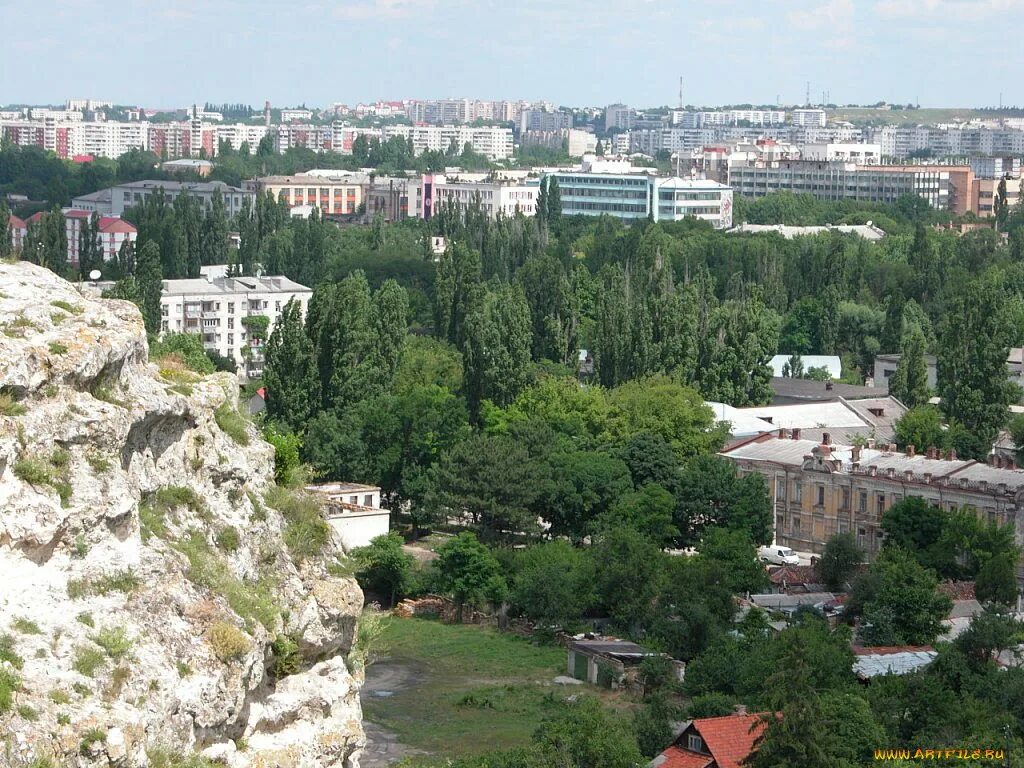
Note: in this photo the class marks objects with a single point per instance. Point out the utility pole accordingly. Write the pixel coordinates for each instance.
(807, 94)
(680, 91)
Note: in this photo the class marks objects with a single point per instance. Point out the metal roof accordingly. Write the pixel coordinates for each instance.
(872, 662)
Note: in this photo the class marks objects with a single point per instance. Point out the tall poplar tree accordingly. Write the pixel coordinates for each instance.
(149, 278)
(909, 384)
(290, 374)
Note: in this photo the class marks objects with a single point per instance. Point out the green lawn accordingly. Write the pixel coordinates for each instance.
(472, 689)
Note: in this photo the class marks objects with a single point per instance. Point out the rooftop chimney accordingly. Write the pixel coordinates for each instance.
(911, 451)
(931, 452)
(855, 454)
(952, 454)
(783, 433)
(826, 438)
(828, 386)
(871, 442)
(796, 433)
(740, 709)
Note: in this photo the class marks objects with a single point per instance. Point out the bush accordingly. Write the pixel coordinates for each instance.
(33, 471)
(9, 683)
(155, 506)
(66, 306)
(26, 626)
(113, 640)
(92, 736)
(287, 659)
(9, 406)
(228, 642)
(98, 463)
(306, 532)
(286, 454)
(56, 348)
(118, 581)
(7, 652)
(232, 423)
(183, 348)
(88, 660)
(227, 539)
(57, 696)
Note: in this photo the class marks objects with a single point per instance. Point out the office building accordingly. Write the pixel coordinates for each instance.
(387, 197)
(222, 309)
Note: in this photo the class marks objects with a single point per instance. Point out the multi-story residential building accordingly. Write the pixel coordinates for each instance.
(995, 167)
(672, 140)
(618, 117)
(576, 143)
(753, 117)
(333, 195)
(494, 142)
(124, 196)
(239, 133)
(495, 197)
(821, 489)
(865, 154)
(808, 118)
(296, 115)
(343, 136)
(538, 120)
(635, 196)
(387, 197)
(234, 315)
(315, 137)
(113, 232)
(18, 229)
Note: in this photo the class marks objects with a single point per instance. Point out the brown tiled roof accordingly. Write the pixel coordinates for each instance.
(793, 575)
(677, 757)
(958, 590)
(730, 739)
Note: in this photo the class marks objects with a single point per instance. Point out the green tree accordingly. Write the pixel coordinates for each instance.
(149, 278)
(496, 350)
(922, 428)
(1000, 207)
(6, 243)
(583, 485)
(910, 382)
(839, 561)
(468, 572)
(384, 567)
(587, 735)
(996, 581)
(289, 373)
(550, 584)
(647, 510)
(905, 607)
(712, 494)
(490, 479)
(214, 235)
(972, 363)
(457, 291)
(554, 204)
(627, 575)
(734, 552)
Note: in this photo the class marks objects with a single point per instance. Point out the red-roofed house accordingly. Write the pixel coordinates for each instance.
(113, 231)
(714, 742)
(18, 231)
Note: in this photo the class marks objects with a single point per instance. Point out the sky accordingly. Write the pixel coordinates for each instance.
(172, 53)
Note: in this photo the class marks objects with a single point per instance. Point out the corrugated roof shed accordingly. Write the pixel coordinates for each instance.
(891, 660)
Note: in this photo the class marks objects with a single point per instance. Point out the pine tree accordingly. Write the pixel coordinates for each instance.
(6, 243)
(289, 372)
(149, 278)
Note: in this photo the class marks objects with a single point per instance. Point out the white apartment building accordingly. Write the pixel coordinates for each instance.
(219, 309)
(618, 117)
(107, 138)
(863, 154)
(295, 115)
(333, 195)
(113, 232)
(494, 142)
(240, 133)
(426, 194)
(808, 118)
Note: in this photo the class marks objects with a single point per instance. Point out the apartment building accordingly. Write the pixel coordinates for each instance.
(18, 229)
(495, 197)
(124, 196)
(494, 142)
(113, 232)
(618, 117)
(333, 195)
(753, 117)
(239, 133)
(539, 120)
(222, 309)
(822, 489)
(808, 118)
(576, 143)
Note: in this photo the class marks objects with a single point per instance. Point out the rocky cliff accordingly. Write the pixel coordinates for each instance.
(159, 596)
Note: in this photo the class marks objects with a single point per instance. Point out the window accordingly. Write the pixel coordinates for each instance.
(820, 496)
(798, 491)
(880, 503)
(694, 743)
(862, 502)
(862, 537)
(795, 525)
(846, 499)
(231, 307)
(368, 500)
(780, 488)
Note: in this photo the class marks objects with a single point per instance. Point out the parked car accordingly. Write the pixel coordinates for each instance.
(778, 555)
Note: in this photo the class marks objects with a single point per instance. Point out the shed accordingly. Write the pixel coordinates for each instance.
(609, 662)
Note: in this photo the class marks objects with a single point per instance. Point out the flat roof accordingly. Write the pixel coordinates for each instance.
(231, 285)
(181, 186)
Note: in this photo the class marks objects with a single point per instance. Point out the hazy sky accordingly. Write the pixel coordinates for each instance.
(170, 53)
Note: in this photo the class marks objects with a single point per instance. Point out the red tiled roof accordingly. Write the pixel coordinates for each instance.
(794, 574)
(35, 217)
(262, 392)
(958, 590)
(730, 739)
(17, 223)
(114, 224)
(677, 757)
(883, 650)
(75, 213)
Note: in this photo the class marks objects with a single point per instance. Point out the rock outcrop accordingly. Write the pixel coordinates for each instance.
(159, 596)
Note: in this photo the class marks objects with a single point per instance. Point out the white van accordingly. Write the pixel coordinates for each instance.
(778, 555)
